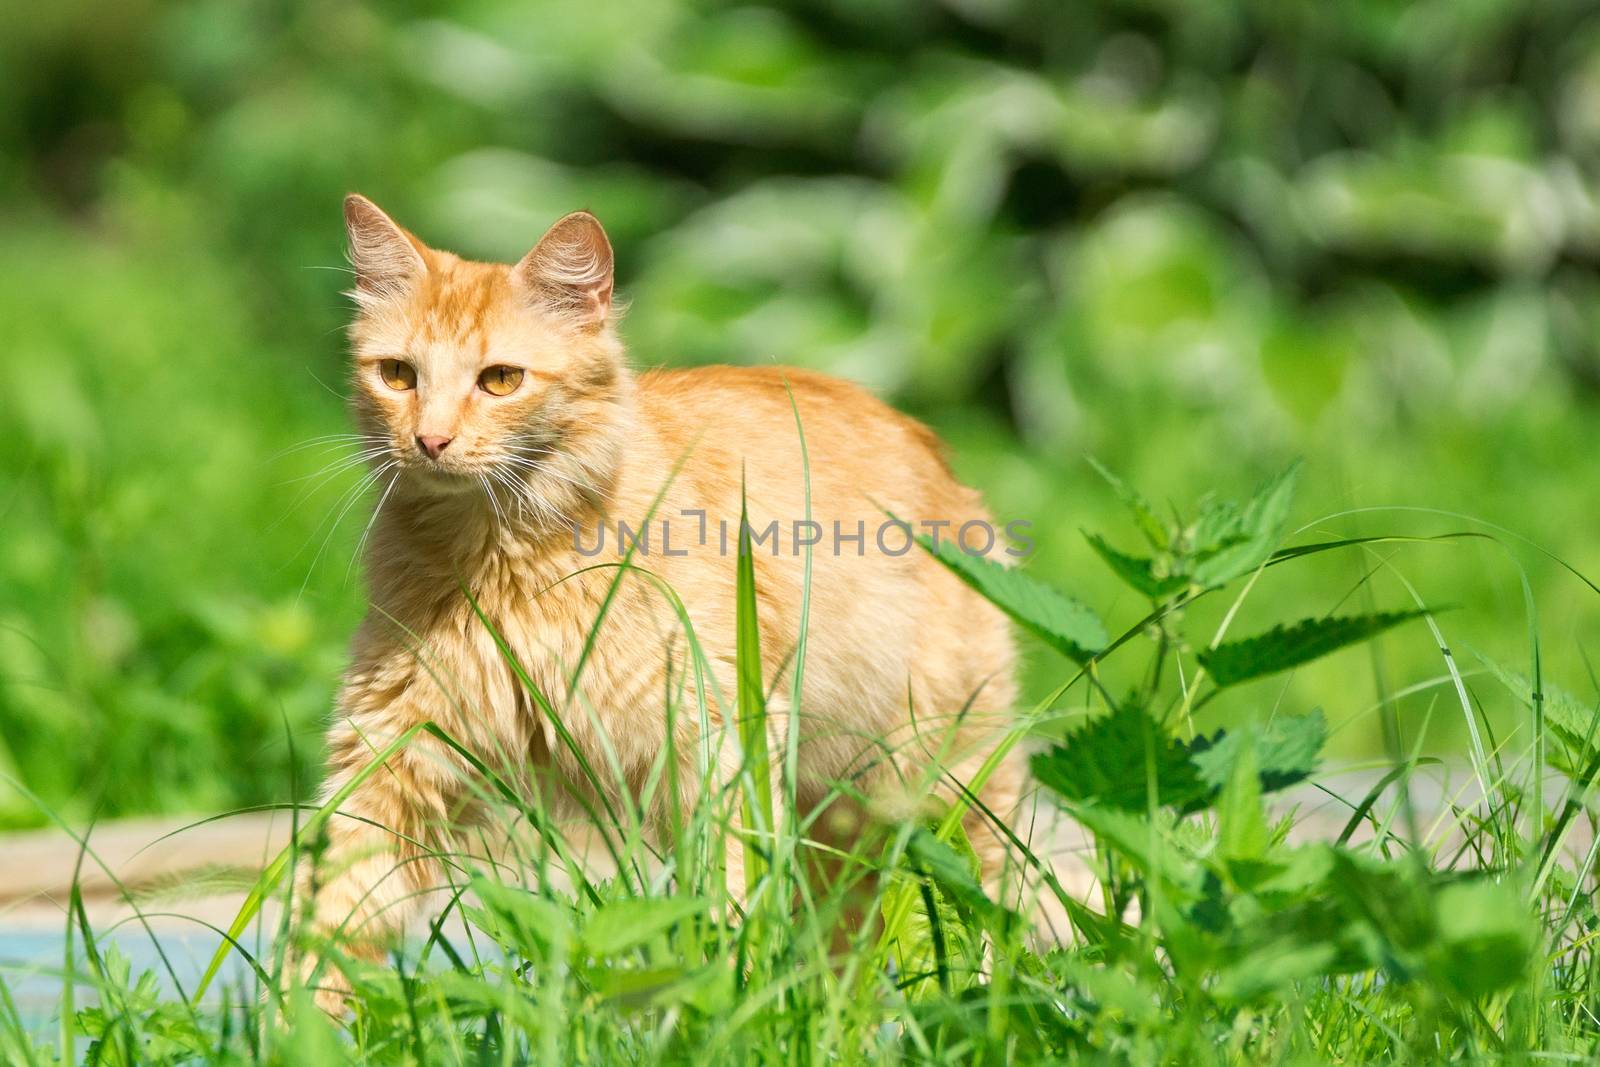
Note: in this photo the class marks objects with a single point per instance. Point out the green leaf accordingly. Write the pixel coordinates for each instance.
(1241, 820)
(1229, 544)
(312, 1039)
(626, 924)
(1216, 528)
(1037, 1029)
(1144, 845)
(520, 921)
(1144, 516)
(954, 867)
(1275, 966)
(1137, 571)
(1485, 938)
(1066, 625)
(657, 986)
(938, 937)
(1573, 720)
(1284, 647)
(1112, 760)
(1297, 872)
(1305, 919)
(1285, 751)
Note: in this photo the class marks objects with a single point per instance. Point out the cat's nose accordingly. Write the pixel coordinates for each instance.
(433, 445)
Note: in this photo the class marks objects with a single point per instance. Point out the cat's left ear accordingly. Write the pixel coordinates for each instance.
(570, 270)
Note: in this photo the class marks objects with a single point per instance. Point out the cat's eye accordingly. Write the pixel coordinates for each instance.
(500, 381)
(398, 374)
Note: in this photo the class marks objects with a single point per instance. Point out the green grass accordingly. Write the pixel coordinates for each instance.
(1413, 936)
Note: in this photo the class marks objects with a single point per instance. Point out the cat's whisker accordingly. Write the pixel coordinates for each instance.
(340, 465)
(523, 452)
(544, 469)
(545, 509)
(517, 489)
(556, 518)
(493, 501)
(329, 440)
(324, 476)
(501, 478)
(361, 545)
(524, 504)
(541, 508)
(521, 504)
(353, 494)
(527, 458)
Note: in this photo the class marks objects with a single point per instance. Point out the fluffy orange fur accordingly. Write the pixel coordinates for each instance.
(907, 674)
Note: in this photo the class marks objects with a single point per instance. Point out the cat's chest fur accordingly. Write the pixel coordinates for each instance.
(516, 640)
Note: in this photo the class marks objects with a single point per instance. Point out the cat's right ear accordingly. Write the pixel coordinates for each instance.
(387, 259)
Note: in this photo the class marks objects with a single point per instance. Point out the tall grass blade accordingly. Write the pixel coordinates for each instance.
(751, 708)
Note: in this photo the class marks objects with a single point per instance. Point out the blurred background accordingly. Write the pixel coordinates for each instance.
(1193, 241)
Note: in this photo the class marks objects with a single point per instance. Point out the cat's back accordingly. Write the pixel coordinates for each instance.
(889, 627)
(741, 395)
(728, 419)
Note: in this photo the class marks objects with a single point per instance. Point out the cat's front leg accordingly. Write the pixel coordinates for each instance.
(356, 894)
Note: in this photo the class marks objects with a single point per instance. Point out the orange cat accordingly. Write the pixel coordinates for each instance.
(515, 440)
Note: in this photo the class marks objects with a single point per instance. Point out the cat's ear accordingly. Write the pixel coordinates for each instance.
(387, 259)
(570, 270)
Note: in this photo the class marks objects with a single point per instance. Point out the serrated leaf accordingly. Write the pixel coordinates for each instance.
(1069, 626)
(1137, 571)
(1216, 528)
(1283, 647)
(938, 937)
(1319, 915)
(1573, 720)
(1231, 545)
(1112, 760)
(1144, 516)
(1298, 871)
(1286, 751)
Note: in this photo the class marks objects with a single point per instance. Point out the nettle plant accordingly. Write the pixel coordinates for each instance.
(1207, 919)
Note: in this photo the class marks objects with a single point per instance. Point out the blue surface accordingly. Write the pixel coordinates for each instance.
(31, 964)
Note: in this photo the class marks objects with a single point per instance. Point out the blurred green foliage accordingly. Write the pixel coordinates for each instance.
(1190, 239)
